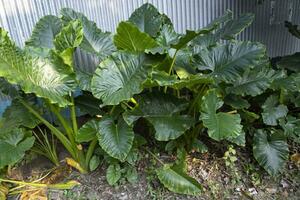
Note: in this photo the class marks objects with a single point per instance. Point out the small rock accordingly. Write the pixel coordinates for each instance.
(204, 174)
(123, 196)
(252, 191)
(271, 190)
(284, 184)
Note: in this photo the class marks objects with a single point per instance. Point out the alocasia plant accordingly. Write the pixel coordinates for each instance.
(45, 78)
(176, 86)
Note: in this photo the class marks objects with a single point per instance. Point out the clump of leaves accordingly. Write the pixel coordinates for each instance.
(181, 86)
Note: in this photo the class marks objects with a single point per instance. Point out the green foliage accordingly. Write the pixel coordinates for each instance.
(119, 77)
(177, 88)
(13, 146)
(113, 174)
(115, 137)
(162, 111)
(130, 38)
(220, 125)
(94, 163)
(272, 112)
(177, 181)
(270, 150)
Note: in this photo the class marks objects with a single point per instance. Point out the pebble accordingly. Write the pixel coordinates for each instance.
(284, 184)
(252, 191)
(271, 190)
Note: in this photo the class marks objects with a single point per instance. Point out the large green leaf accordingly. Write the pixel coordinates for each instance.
(68, 39)
(47, 77)
(17, 115)
(115, 137)
(87, 103)
(236, 102)
(147, 19)
(161, 78)
(13, 146)
(235, 26)
(94, 40)
(231, 27)
(167, 37)
(253, 81)
(177, 181)
(44, 32)
(227, 62)
(291, 126)
(119, 77)
(189, 36)
(220, 125)
(289, 83)
(272, 111)
(291, 62)
(8, 89)
(130, 38)
(162, 111)
(88, 131)
(270, 150)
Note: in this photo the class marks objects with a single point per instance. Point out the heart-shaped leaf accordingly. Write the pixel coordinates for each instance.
(270, 150)
(88, 131)
(162, 111)
(44, 32)
(227, 62)
(13, 146)
(253, 82)
(94, 40)
(115, 138)
(177, 181)
(220, 125)
(130, 38)
(147, 19)
(113, 174)
(119, 77)
(48, 77)
(272, 111)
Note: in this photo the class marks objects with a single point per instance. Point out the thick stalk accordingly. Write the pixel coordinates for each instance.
(170, 69)
(73, 116)
(90, 151)
(62, 138)
(64, 123)
(62, 186)
(80, 154)
(199, 95)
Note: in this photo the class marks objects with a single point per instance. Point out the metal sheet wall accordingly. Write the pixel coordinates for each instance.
(19, 16)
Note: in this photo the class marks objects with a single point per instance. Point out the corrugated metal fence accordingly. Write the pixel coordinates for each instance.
(20, 16)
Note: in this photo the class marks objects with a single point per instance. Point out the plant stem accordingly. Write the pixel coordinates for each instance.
(62, 138)
(170, 69)
(199, 95)
(232, 112)
(73, 116)
(133, 101)
(68, 185)
(90, 151)
(64, 123)
(155, 157)
(112, 110)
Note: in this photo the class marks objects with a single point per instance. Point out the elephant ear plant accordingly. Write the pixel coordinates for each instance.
(179, 90)
(42, 78)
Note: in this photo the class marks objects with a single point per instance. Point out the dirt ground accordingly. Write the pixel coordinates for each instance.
(241, 180)
(219, 182)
